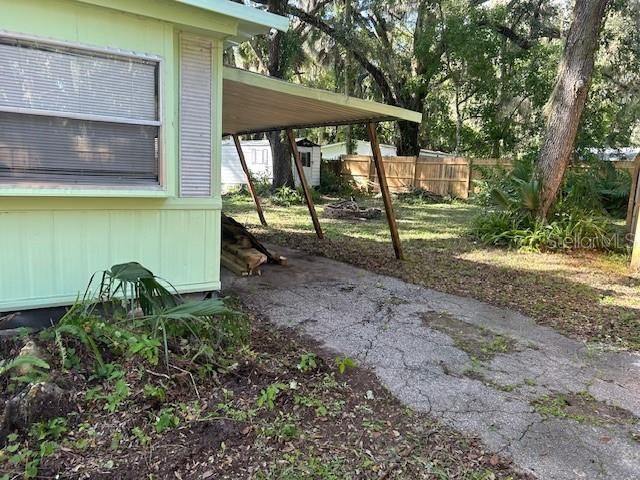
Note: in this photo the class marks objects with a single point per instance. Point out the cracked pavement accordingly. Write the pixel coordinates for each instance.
(378, 321)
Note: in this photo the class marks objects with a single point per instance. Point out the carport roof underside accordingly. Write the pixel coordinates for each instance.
(254, 103)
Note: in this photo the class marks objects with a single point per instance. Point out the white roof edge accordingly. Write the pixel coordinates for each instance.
(261, 81)
(248, 15)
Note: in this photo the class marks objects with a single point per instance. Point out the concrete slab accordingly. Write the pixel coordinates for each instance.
(379, 321)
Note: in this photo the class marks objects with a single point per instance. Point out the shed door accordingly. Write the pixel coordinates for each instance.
(196, 109)
(307, 162)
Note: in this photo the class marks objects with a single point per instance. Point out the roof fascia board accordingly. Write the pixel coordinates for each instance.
(378, 110)
(173, 12)
(245, 13)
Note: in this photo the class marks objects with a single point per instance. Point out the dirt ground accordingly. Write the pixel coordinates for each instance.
(281, 410)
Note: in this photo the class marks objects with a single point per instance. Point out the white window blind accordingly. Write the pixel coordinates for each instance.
(196, 104)
(74, 116)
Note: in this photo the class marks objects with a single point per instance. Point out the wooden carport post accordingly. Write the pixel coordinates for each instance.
(304, 183)
(252, 189)
(633, 216)
(384, 188)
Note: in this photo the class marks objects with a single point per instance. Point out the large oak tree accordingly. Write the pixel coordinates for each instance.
(568, 99)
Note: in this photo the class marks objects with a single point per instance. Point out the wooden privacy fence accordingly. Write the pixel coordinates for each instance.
(442, 175)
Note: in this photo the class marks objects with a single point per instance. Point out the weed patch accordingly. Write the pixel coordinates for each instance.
(581, 407)
(477, 342)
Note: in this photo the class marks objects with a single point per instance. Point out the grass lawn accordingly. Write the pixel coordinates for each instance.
(586, 294)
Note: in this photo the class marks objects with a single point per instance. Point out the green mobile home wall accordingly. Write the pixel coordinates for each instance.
(53, 240)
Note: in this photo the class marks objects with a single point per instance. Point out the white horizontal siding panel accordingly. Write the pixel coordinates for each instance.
(259, 161)
(196, 107)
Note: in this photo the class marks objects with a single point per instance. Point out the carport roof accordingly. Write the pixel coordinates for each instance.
(254, 103)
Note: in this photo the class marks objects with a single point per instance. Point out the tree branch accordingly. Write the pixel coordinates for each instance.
(347, 42)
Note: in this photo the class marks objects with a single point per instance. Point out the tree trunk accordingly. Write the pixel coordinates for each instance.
(282, 173)
(567, 101)
(408, 141)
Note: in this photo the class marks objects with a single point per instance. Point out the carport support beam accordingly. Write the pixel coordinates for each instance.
(635, 253)
(252, 189)
(303, 181)
(372, 128)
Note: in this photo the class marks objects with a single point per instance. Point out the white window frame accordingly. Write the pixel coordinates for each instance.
(310, 159)
(159, 190)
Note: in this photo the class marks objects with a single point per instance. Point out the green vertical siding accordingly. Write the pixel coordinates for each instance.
(53, 240)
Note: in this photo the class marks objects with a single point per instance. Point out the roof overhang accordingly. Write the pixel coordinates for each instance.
(251, 21)
(234, 22)
(254, 103)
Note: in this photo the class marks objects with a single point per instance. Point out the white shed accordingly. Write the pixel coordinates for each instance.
(334, 151)
(260, 162)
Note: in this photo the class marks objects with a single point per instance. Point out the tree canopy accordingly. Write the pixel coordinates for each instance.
(480, 71)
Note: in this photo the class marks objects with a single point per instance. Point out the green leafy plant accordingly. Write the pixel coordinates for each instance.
(344, 363)
(269, 395)
(142, 438)
(133, 313)
(157, 392)
(287, 196)
(116, 398)
(283, 427)
(8, 365)
(333, 183)
(166, 419)
(21, 454)
(50, 429)
(108, 371)
(317, 404)
(308, 361)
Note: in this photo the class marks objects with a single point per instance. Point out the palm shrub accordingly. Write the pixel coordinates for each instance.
(597, 185)
(511, 219)
(130, 311)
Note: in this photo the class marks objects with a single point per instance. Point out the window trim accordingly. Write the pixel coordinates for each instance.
(305, 153)
(106, 189)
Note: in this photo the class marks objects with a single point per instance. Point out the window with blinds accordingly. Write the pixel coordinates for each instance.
(77, 117)
(196, 108)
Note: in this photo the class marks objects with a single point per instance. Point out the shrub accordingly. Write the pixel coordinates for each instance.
(564, 231)
(287, 196)
(131, 313)
(332, 183)
(578, 221)
(263, 185)
(590, 185)
(597, 185)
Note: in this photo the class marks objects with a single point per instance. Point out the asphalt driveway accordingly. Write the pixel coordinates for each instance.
(559, 408)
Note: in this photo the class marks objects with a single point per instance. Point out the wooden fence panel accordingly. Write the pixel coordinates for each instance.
(628, 166)
(358, 167)
(400, 174)
(476, 173)
(444, 176)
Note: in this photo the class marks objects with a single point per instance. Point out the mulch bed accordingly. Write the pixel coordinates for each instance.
(323, 424)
